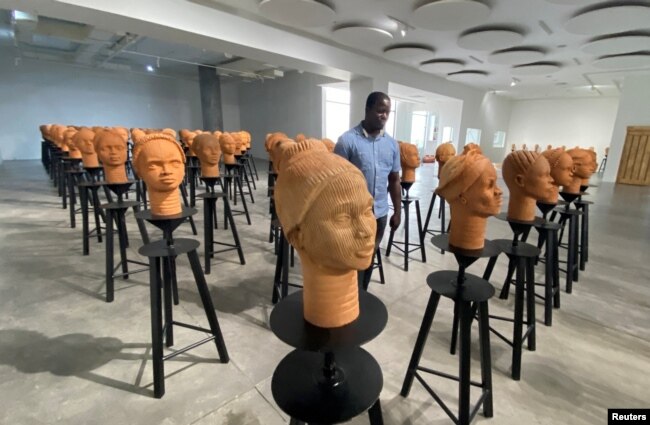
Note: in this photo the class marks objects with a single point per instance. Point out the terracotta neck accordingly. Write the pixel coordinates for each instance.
(115, 173)
(165, 203)
(521, 207)
(209, 171)
(466, 231)
(77, 154)
(90, 160)
(574, 187)
(330, 297)
(408, 175)
(229, 158)
(440, 165)
(585, 182)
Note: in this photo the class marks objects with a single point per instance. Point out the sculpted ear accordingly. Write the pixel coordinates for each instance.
(296, 237)
(519, 180)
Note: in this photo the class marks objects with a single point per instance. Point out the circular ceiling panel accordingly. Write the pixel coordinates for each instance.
(489, 39)
(408, 53)
(536, 68)
(614, 44)
(574, 2)
(362, 36)
(468, 76)
(448, 15)
(624, 61)
(515, 55)
(610, 19)
(301, 13)
(442, 66)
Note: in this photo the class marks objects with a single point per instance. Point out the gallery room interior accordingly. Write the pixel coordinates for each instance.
(324, 211)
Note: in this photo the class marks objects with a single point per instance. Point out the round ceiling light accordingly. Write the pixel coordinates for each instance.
(468, 76)
(448, 15)
(442, 66)
(361, 36)
(408, 53)
(609, 19)
(536, 68)
(574, 2)
(515, 55)
(301, 13)
(489, 38)
(624, 61)
(618, 43)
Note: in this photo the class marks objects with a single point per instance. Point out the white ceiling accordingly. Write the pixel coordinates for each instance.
(568, 37)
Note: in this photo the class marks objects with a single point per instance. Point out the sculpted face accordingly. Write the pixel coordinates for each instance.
(160, 165)
(581, 163)
(409, 155)
(484, 196)
(562, 171)
(208, 150)
(339, 230)
(83, 140)
(111, 149)
(445, 152)
(538, 182)
(227, 143)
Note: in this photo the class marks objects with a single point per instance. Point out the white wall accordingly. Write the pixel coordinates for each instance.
(495, 114)
(583, 122)
(292, 104)
(633, 110)
(37, 92)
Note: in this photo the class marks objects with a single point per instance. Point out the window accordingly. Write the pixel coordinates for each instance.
(337, 112)
(499, 139)
(447, 134)
(473, 136)
(419, 128)
(390, 124)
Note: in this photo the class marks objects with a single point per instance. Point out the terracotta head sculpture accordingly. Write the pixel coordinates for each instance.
(471, 147)
(277, 153)
(68, 139)
(137, 135)
(83, 140)
(513, 147)
(561, 167)
(469, 184)
(228, 148)
(528, 177)
(159, 161)
(57, 136)
(246, 137)
(443, 154)
(300, 138)
(410, 159)
(189, 140)
(524, 147)
(44, 129)
(112, 152)
(548, 147)
(328, 144)
(208, 149)
(169, 131)
(216, 134)
(582, 169)
(325, 209)
(537, 148)
(239, 143)
(123, 132)
(271, 140)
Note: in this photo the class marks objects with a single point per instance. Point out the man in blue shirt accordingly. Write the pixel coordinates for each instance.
(376, 154)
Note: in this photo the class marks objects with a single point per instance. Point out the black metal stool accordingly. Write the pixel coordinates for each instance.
(163, 253)
(232, 186)
(405, 245)
(89, 198)
(67, 164)
(116, 211)
(251, 162)
(281, 282)
(248, 169)
(73, 178)
(378, 264)
(583, 206)
(441, 216)
(193, 168)
(240, 170)
(210, 199)
(548, 236)
(470, 295)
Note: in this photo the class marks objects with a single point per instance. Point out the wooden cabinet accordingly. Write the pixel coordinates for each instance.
(634, 167)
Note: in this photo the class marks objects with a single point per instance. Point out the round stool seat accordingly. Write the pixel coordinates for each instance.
(549, 225)
(445, 283)
(410, 199)
(211, 195)
(119, 205)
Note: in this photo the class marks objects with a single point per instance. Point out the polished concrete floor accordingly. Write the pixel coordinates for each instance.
(68, 357)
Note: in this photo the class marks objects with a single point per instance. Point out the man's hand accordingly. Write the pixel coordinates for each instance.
(395, 221)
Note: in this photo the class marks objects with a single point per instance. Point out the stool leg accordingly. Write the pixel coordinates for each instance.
(390, 241)
(583, 238)
(576, 253)
(556, 268)
(277, 278)
(569, 261)
(192, 187)
(156, 327)
(505, 291)
(380, 266)
(419, 218)
(121, 224)
(530, 303)
(454, 331)
(549, 284)
(98, 213)
(285, 267)
(427, 320)
(235, 235)
(375, 415)
(243, 200)
(486, 357)
(585, 212)
(490, 267)
(428, 218)
(72, 202)
(109, 256)
(167, 301)
(465, 346)
(207, 231)
(141, 226)
(202, 287)
(83, 198)
(519, 318)
(406, 236)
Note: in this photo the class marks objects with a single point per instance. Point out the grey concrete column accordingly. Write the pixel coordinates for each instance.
(211, 109)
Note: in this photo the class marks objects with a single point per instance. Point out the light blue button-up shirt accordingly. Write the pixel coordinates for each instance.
(376, 157)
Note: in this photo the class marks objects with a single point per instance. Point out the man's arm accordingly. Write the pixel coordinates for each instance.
(395, 191)
(341, 148)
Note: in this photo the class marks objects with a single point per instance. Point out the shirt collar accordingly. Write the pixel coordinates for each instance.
(365, 133)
